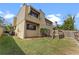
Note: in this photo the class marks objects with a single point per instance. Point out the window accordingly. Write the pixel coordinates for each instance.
(33, 14)
(31, 27)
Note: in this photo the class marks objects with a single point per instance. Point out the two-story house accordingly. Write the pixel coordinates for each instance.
(29, 22)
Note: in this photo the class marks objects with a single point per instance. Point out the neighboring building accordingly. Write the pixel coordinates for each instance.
(1, 26)
(1, 30)
(29, 22)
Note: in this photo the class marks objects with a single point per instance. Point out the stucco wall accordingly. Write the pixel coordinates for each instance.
(20, 30)
(32, 33)
(42, 20)
(21, 15)
(67, 33)
(20, 23)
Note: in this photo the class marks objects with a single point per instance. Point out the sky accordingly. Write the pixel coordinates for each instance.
(53, 11)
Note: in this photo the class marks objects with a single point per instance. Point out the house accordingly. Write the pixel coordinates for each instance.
(29, 22)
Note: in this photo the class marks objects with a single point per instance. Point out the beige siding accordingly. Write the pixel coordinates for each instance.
(20, 23)
(43, 23)
(14, 21)
(32, 33)
(21, 15)
(42, 20)
(20, 30)
(31, 18)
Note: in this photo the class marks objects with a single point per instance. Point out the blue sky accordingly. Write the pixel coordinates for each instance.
(53, 11)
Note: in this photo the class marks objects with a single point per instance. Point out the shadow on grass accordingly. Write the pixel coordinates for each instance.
(8, 46)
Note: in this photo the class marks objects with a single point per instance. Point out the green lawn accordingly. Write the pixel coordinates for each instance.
(9, 46)
(13, 45)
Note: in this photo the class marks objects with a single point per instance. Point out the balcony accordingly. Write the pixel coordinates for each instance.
(33, 19)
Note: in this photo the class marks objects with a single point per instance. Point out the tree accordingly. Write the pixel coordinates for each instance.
(69, 23)
(8, 27)
(58, 27)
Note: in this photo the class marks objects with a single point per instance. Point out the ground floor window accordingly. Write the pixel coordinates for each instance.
(31, 26)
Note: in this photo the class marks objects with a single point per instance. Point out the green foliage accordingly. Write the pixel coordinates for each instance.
(44, 32)
(68, 24)
(59, 27)
(8, 46)
(8, 27)
(46, 46)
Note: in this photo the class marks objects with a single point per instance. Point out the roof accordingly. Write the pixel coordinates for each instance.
(32, 8)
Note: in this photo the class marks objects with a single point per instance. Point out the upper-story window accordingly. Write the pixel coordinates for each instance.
(34, 13)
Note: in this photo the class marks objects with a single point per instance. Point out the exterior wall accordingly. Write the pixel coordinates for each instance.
(42, 20)
(69, 33)
(32, 33)
(51, 29)
(20, 30)
(49, 26)
(1, 31)
(14, 22)
(29, 17)
(20, 23)
(21, 15)
(32, 19)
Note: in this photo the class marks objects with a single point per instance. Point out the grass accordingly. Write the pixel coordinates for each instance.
(33, 46)
(8, 46)
(46, 46)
